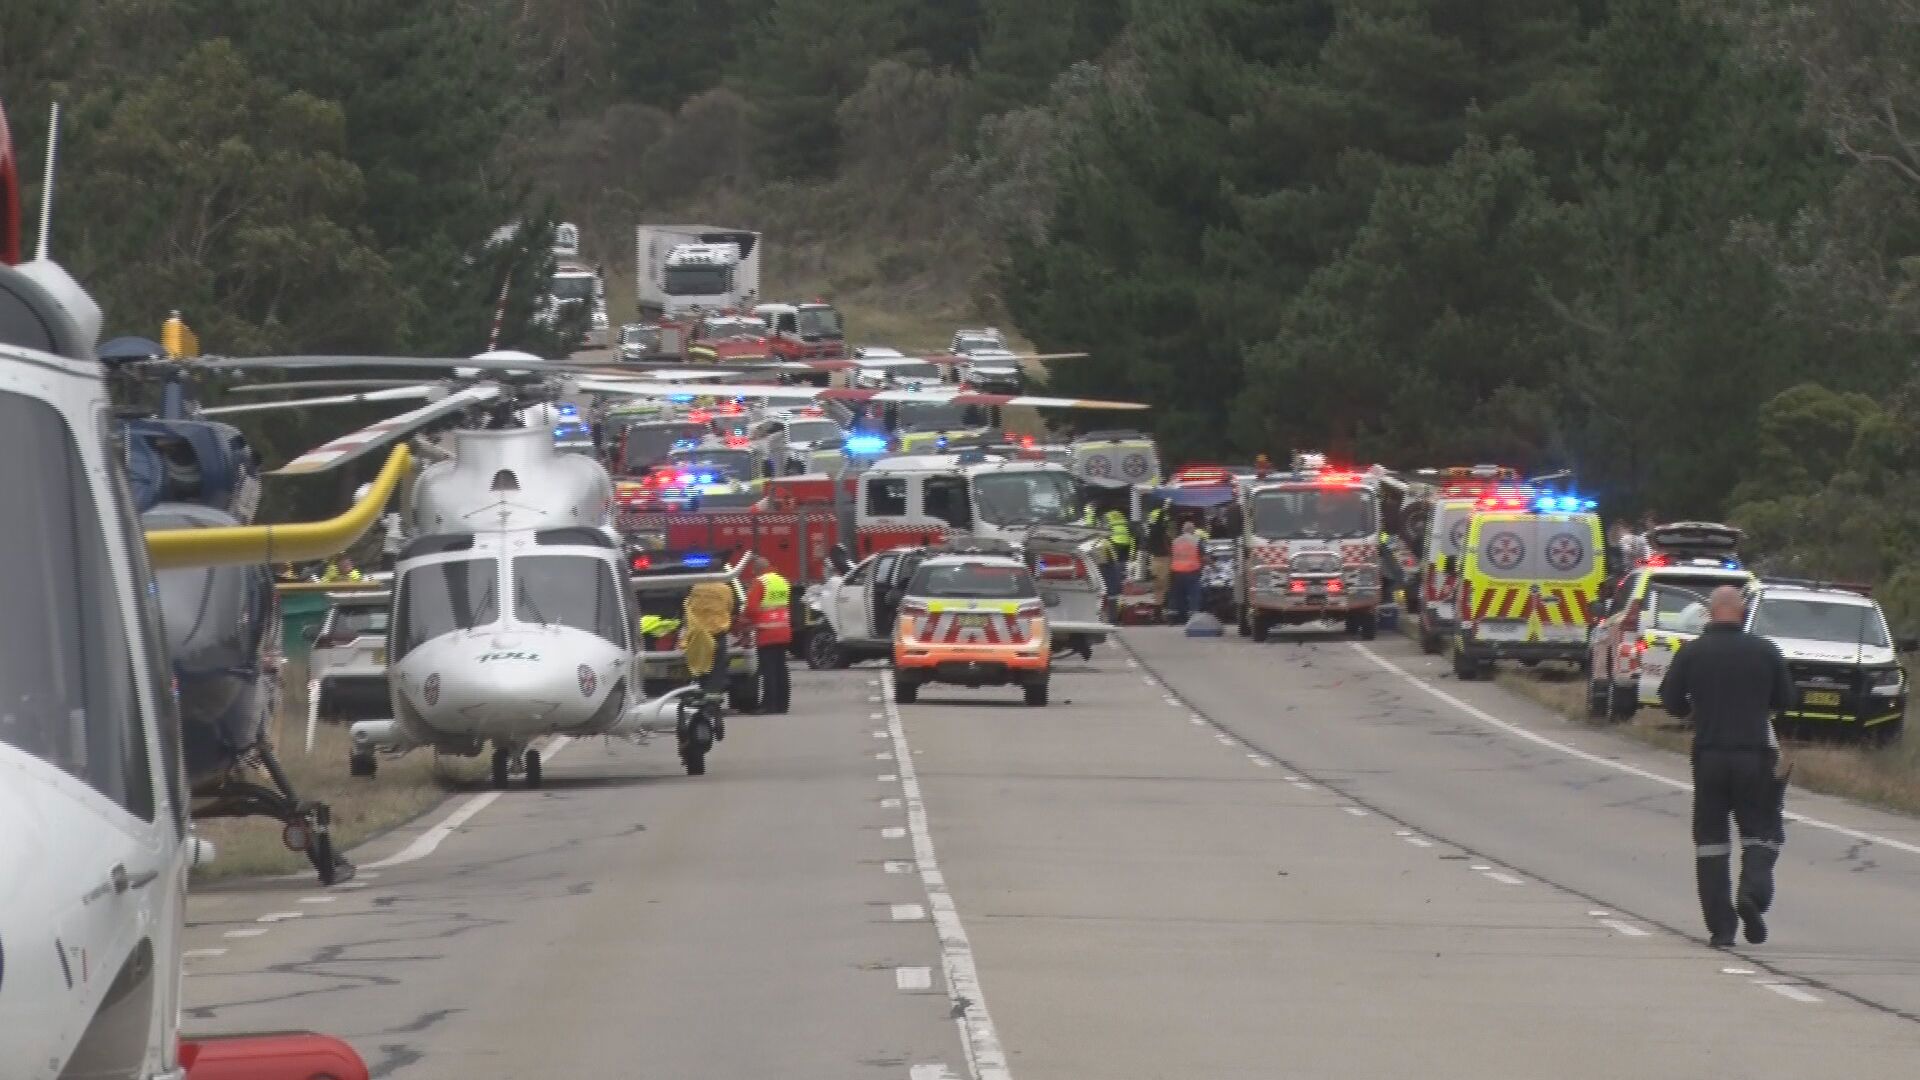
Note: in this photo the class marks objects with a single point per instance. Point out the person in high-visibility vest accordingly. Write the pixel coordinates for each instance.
(770, 604)
(1159, 546)
(1185, 562)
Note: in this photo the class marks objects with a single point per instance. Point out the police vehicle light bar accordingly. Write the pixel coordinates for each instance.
(696, 559)
(1565, 504)
(866, 444)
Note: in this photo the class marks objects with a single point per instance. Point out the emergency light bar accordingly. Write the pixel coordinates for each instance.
(1564, 504)
(866, 444)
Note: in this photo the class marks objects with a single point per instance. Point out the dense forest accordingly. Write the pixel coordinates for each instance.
(1673, 245)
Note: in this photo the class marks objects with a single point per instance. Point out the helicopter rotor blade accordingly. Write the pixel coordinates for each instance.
(490, 361)
(941, 395)
(357, 444)
(398, 393)
(320, 384)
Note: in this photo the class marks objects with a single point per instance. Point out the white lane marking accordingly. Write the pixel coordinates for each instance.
(1504, 878)
(1133, 663)
(1403, 832)
(1618, 766)
(1788, 990)
(889, 804)
(878, 734)
(1480, 866)
(1355, 811)
(255, 932)
(873, 697)
(1736, 971)
(318, 899)
(929, 1072)
(1197, 721)
(985, 1059)
(1626, 928)
(281, 916)
(1599, 914)
(1260, 761)
(908, 912)
(886, 778)
(883, 755)
(893, 834)
(897, 866)
(1171, 700)
(1417, 841)
(202, 954)
(351, 885)
(424, 844)
(913, 978)
(1291, 779)
(1303, 785)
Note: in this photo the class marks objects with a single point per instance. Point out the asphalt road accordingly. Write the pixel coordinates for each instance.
(1207, 858)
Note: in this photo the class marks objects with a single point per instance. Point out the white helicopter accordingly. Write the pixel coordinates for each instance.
(94, 805)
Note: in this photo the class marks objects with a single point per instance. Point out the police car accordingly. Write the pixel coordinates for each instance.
(969, 340)
(1655, 608)
(993, 371)
(1845, 664)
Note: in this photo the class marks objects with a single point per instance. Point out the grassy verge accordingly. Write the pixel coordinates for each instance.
(1882, 776)
(405, 787)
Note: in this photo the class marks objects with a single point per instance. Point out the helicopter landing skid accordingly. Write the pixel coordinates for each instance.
(307, 826)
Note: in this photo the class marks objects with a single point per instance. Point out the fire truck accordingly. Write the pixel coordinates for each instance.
(1310, 548)
(809, 331)
(895, 502)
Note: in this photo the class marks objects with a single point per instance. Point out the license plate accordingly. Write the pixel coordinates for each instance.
(1562, 632)
(1821, 697)
(1503, 631)
(972, 621)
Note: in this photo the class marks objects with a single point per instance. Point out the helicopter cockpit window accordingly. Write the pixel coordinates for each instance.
(568, 590)
(67, 692)
(439, 598)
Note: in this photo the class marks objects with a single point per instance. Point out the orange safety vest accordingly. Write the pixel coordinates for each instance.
(772, 622)
(1186, 554)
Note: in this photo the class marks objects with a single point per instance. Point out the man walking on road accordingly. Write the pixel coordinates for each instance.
(1732, 683)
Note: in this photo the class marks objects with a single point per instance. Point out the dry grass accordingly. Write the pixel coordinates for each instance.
(1887, 777)
(362, 809)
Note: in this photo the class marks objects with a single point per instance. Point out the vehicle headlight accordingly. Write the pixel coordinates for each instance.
(1886, 682)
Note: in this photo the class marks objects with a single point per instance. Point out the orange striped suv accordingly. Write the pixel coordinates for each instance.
(1529, 585)
(972, 621)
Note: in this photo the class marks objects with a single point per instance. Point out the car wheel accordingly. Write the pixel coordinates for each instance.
(905, 691)
(1037, 692)
(1465, 667)
(1622, 701)
(823, 650)
(1258, 622)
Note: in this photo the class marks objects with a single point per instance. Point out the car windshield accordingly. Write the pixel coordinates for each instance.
(1821, 620)
(352, 622)
(911, 371)
(983, 581)
(646, 445)
(1026, 498)
(695, 280)
(971, 342)
(439, 598)
(811, 431)
(818, 323)
(568, 590)
(723, 464)
(573, 287)
(1315, 512)
(937, 416)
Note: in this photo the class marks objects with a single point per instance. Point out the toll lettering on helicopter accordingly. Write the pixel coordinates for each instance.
(484, 657)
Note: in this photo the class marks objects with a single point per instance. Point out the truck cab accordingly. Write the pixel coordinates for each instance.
(1310, 550)
(800, 332)
(908, 501)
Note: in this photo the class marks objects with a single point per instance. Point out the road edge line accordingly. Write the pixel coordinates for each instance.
(985, 1059)
(425, 844)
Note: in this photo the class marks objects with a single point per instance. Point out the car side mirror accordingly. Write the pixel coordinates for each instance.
(310, 633)
(1910, 644)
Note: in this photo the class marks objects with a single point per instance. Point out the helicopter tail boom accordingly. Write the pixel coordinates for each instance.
(298, 541)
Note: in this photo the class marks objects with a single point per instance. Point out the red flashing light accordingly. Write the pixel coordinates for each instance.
(738, 441)
(642, 562)
(1656, 559)
(700, 416)
(1501, 502)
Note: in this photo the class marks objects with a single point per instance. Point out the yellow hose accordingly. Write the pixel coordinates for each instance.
(294, 541)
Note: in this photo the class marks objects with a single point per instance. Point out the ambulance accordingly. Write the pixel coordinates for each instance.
(1434, 525)
(1529, 575)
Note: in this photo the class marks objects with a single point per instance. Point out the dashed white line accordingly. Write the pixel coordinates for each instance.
(1504, 878)
(913, 978)
(889, 804)
(1480, 866)
(1197, 721)
(1626, 928)
(1618, 766)
(1171, 700)
(254, 932)
(929, 1072)
(1417, 841)
(1355, 811)
(985, 1059)
(1736, 971)
(908, 912)
(281, 916)
(897, 866)
(1788, 990)
(878, 734)
(887, 778)
(318, 899)
(893, 834)
(202, 954)
(883, 755)
(424, 844)
(351, 885)
(1303, 785)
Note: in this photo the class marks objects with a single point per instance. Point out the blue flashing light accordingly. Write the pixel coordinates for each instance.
(1731, 564)
(568, 409)
(680, 399)
(697, 560)
(686, 444)
(703, 478)
(940, 442)
(1564, 504)
(866, 444)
